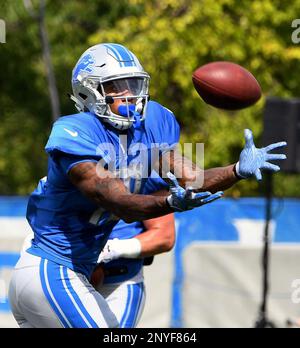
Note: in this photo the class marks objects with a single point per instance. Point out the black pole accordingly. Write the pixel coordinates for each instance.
(262, 321)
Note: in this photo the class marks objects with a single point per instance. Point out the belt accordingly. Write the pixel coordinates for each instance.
(115, 271)
(121, 270)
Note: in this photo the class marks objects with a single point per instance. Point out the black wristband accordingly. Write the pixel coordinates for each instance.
(170, 206)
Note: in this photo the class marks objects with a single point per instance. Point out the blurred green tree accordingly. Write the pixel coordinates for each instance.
(171, 38)
(25, 105)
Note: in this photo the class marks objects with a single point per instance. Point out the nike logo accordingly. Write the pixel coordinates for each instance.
(74, 134)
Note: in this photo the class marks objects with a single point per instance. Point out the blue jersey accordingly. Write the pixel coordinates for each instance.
(69, 228)
(123, 230)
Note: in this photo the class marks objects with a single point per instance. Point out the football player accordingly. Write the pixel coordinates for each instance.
(99, 160)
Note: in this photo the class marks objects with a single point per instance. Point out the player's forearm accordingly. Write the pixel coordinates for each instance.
(134, 207)
(221, 178)
(153, 242)
(113, 196)
(147, 244)
(213, 180)
(110, 193)
(158, 237)
(161, 193)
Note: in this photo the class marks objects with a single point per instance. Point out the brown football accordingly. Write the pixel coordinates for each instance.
(226, 85)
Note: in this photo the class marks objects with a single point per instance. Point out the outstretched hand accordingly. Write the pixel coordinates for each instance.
(181, 199)
(253, 160)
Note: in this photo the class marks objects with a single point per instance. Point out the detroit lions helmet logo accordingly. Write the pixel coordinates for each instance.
(85, 64)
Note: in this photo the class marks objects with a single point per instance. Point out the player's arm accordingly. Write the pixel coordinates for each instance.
(159, 237)
(213, 180)
(109, 192)
(252, 160)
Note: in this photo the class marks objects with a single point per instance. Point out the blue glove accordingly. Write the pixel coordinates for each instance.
(252, 160)
(181, 199)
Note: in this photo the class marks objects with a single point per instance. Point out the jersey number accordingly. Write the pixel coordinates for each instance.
(133, 185)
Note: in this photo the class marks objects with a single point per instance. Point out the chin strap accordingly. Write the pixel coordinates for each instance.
(137, 120)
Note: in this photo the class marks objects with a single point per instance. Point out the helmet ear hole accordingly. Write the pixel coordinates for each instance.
(99, 89)
(83, 96)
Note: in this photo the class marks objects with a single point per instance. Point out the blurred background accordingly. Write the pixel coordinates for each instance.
(213, 276)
